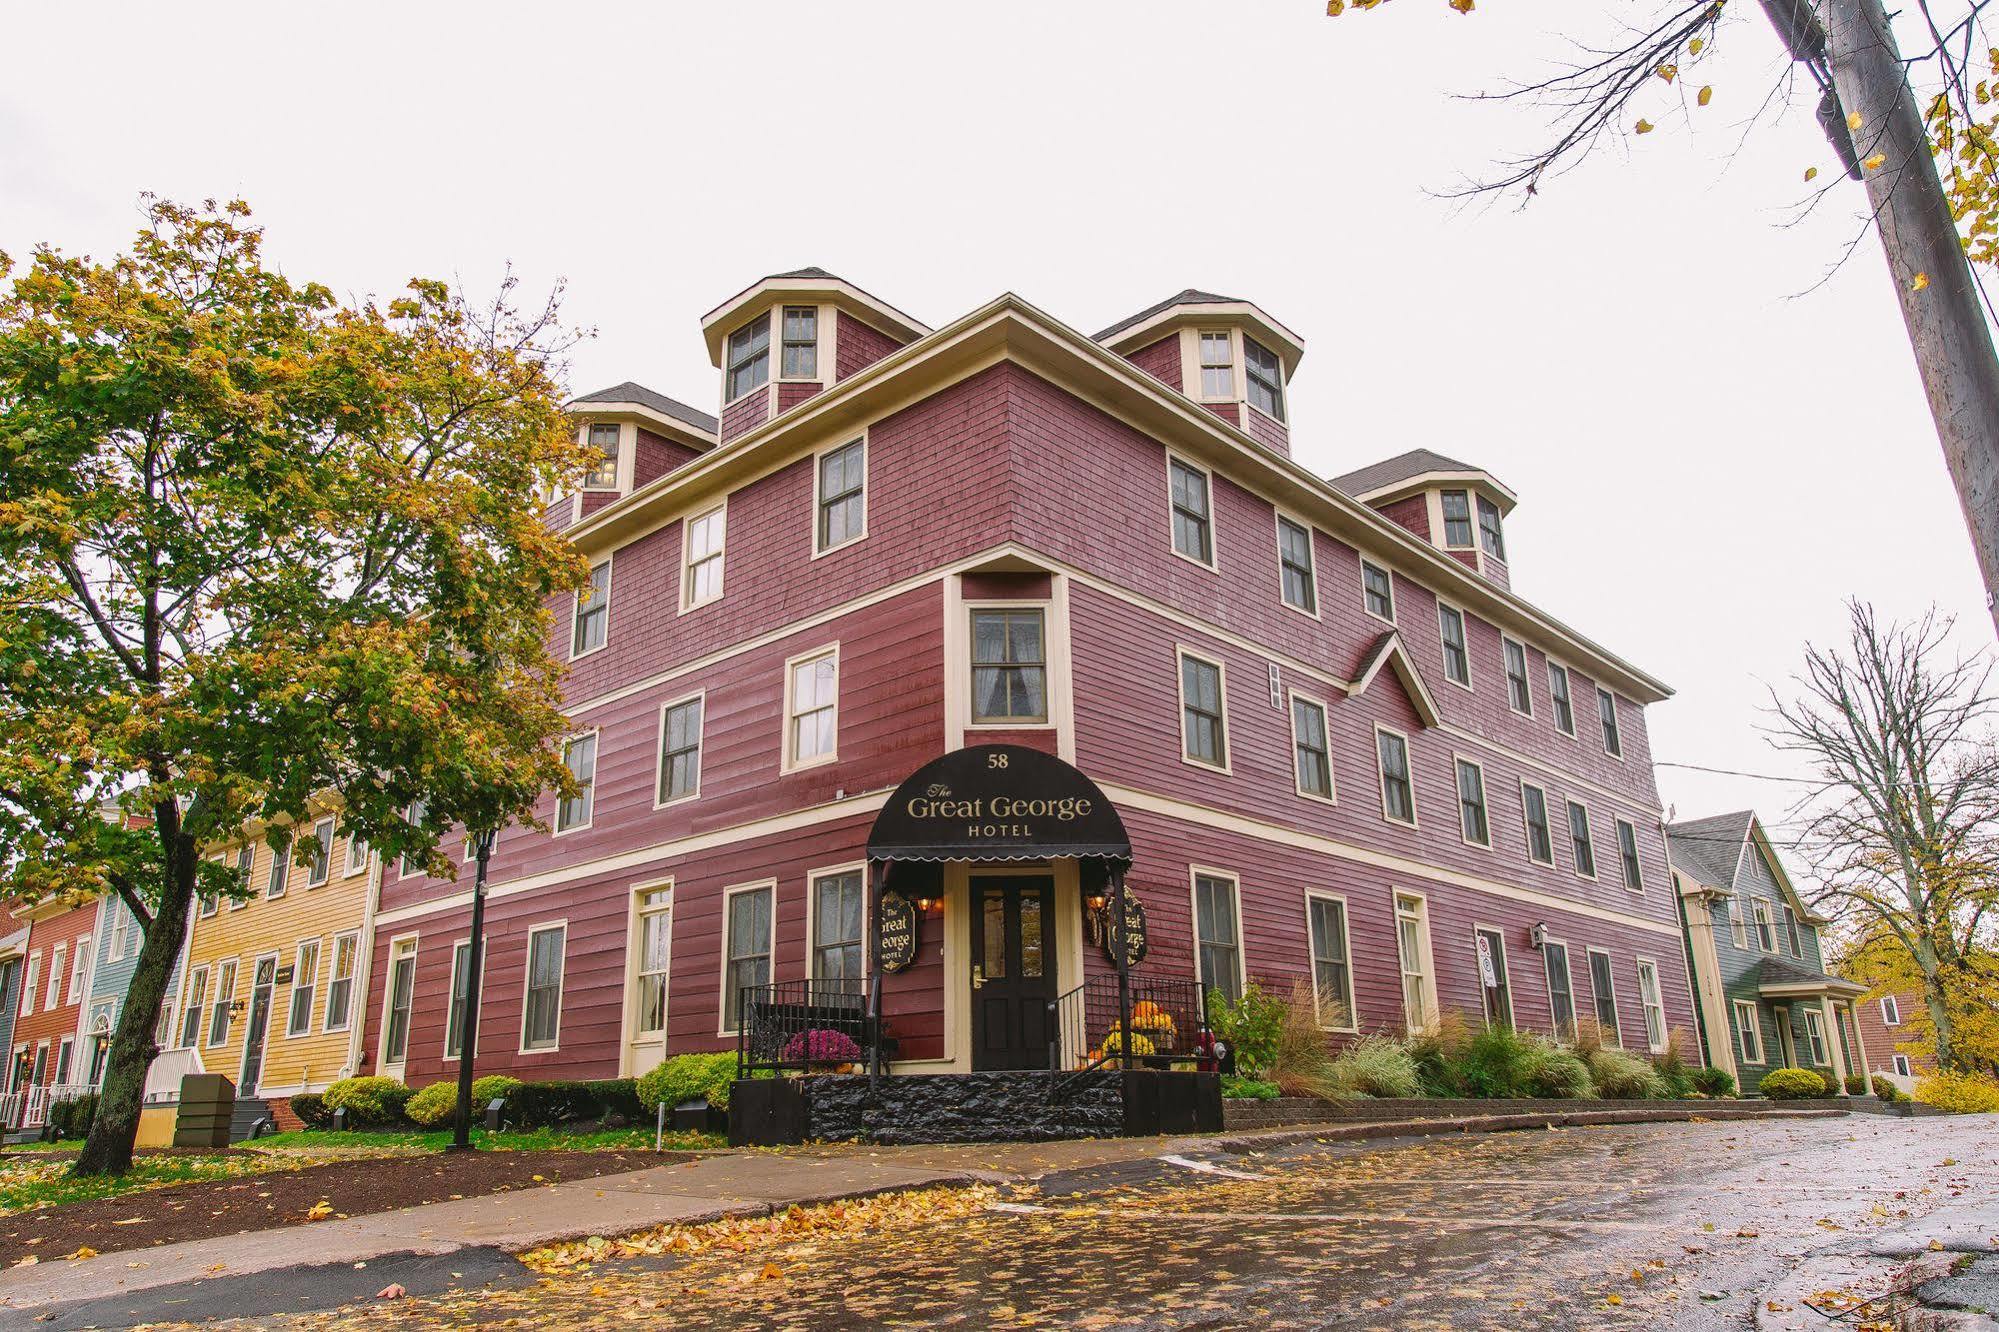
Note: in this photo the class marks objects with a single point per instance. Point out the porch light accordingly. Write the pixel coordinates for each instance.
(1538, 936)
(924, 904)
(1096, 901)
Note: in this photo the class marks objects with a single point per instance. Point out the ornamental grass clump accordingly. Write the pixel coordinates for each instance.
(1301, 1061)
(1671, 1063)
(1557, 1074)
(1377, 1066)
(1617, 1073)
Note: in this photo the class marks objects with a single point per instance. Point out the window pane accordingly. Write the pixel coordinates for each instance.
(836, 928)
(1606, 707)
(1605, 995)
(1561, 1001)
(1517, 692)
(1558, 691)
(1190, 512)
(1579, 840)
(1201, 688)
(1398, 801)
(1215, 926)
(1294, 555)
(1329, 962)
(1471, 803)
(1265, 374)
(1315, 773)
(1378, 590)
(1540, 845)
(1457, 661)
(1488, 527)
(1457, 518)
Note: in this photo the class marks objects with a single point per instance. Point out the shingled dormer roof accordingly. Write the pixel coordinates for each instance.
(658, 402)
(1191, 296)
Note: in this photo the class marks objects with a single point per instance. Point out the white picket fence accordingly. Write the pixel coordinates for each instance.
(30, 1108)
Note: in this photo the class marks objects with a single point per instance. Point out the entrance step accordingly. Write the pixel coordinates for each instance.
(244, 1116)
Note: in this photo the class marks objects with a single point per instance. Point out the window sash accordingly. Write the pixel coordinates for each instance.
(1332, 969)
(197, 1004)
(402, 986)
(843, 481)
(837, 908)
(1791, 930)
(1558, 691)
(1491, 537)
(603, 473)
(461, 989)
(1398, 798)
(1457, 519)
(579, 755)
(276, 877)
(801, 342)
(1217, 366)
(1009, 666)
(1606, 707)
(225, 995)
(1561, 990)
(746, 950)
(1294, 558)
(1203, 711)
(655, 935)
(1377, 590)
(1265, 375)
(815, 694)
(305, 985)
(680, 750)
(1891, 1011)
(340, 985)
(1540, 839)
(1815, 1037)
(1219, 942)
(1579, 840)
(1451, 631)
(1192, 536)
(1766, 935)
(1627, 850)
(321, 866)
(706, 539)
(1748, 1031)
(1314, 763)
(1655, 1008)
(1518, 695)
(749, 357)
(1603, 995)
(593, 612)
(541, 1014)
(1472, 821)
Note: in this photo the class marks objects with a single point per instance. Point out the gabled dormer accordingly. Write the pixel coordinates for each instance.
(791, 335)
(639, 435)
(1459, 508)
(1224, 353)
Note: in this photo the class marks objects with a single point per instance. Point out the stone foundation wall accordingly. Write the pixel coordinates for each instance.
(973, 1107)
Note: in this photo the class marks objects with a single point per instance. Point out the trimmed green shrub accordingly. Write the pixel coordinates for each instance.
(1237, 1087)
(1960, 1093)
(616, 1096)
(1558, 1074)
(1831, 1081)
(311, 1109)
(1883, 1088)
(1249, 1025)
(1856, 1084)
(1712, 1081)
(688, 1077)
(434, 1106)
(1623, 1076)
(546, 1104)
(72, 1118)
(1376, 1066)
(369, 1102)
(1792, 1084)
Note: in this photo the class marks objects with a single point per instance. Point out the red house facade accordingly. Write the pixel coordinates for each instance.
(1344, 750)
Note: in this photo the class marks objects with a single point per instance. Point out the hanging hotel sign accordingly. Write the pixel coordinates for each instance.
(1136, 938)
(897, 924)
(998, 802)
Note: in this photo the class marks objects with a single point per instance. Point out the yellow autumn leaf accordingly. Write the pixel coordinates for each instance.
(1613, 1299)
(1335, 8)
(319, 1211)
(1668, 72)
(1706, 96)
(1854, 120)
(1874, 163)
(1695, 46)
(83, 1251)
(1643, 127)
(1920, 281)
(1462, 6)
(1811, 173)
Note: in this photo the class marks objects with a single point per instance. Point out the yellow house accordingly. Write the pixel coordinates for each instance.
(273, 987)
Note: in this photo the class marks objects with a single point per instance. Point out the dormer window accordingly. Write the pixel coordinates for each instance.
(749, 357)
(603, 473)
(1457, 519)
(1488, 529)
(801, 342)
(1217, 366)
(1266, 378)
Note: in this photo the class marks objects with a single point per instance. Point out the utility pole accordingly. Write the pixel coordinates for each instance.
(475, 964)
(1946, 324)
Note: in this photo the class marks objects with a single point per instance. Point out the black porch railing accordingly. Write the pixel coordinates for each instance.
(807, 1026)
(1165, 1024)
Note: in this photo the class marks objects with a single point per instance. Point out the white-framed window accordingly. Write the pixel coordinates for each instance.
(1193, 512)
(461, 991)
(1332, 961)
(1627, 855)
(680, 750)
(219, 1013)
(1603, 995)
(57, 955)
(1737, 929)
(1580, 844)
(1298, 585)
(1561, 989)
(748, 364)
(1312, 762)
(842, 500)
(1489, 533)
(1264, 374)
(415, 815)
(1412, 948)
(1891, 1009)
(746, 946)
(1377, 591)
(603, 443)
(591, 618)
(579, 755)
(1009, 665)
(316, 873)
(1748, 1032)
(1534, 813)
(1203, 712)
(1654, 1006)
(703, 541)
(1473, 825)
(124, 931)
(655, 947)
(28, 982)
(79, 968)
(279, 873)
(396, 999)
(812, 708)
(1398, 788)
(1217, 365)
(1814, 1035)
(305, 986)
(354, 857)
(197, 1006)
(1457, 519)
(1217, 933)
(1495, 986)
(801, 342)
(1791, 930)
(1766, 933)
(1902, 1066)
(1519, 696)
(1558, 693)
(1606, 711)
(541, 1010)
(340, 983)
(1457, 653)
(245, 857)
(838, 911)
(167, 1028)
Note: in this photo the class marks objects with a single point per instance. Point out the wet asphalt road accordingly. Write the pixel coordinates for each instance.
(1631, 1226)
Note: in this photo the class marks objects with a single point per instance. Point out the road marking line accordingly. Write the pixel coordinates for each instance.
(1210, 1168)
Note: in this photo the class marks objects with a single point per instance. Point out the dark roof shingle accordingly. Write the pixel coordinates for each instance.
(659, 402)
(1710, 848)
(1191, 296)
(1401, 467)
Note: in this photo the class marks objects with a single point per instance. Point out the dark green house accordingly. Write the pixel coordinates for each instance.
(1762, 998)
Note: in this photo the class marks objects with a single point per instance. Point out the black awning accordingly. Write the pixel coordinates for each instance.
(998, 803)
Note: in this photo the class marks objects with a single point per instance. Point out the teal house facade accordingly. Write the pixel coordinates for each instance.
(1762, 997)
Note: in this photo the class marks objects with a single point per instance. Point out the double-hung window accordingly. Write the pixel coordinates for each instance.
(843, 495)
(1489, 534)
(1534, 810)
(603, 473)
(1655, 1008)
(1203, 719)
(1558, 692)
(461, 991)
(1579, 840)
(1766, 934)
(836, 929)
(655, 907)
(354, 856)
(1332, 969)
(1472, 821)
(1412, 950)
(746, 949)
(1903, 1068)
(1457, 658)
(322, 854)
(1814, 1034)
(1193, 533)
(1265, 373)
(812, 707)
(1627, 854)
(701, 579)
(1603, 993)
(340, 983)
(1561, 992)
(801, 342)
(749, 357)
(245, 855)
(541, 1014)
(1009, 667)
(401, 991)
(415, 815)
(579, 755)
(1891, 1011)
(680, 750)
(1308, 742)
(1738, 930)
(1748, 1031)
(1215, 931)
(1606, 708)
(225, 1000)
(1217, 366)
(1294, 566)
(197, 1004)
(1791, 930)
(305, 984)
(1398, 793)
(281, 866)
(593, 612)
(1457, 519)
(1495, 990)
(1518, 696)
(1377, 591)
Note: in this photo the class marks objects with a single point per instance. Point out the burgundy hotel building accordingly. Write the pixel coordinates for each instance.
(1344, 748)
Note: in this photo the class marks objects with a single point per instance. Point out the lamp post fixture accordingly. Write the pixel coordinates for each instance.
(468, 1033)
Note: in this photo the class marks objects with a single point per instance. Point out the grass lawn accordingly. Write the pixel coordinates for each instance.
(508, 1140)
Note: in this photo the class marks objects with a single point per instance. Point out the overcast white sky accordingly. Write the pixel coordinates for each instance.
(1709, 455)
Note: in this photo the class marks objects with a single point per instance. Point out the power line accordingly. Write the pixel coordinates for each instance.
(1733, 772)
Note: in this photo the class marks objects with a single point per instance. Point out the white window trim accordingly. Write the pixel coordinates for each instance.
(1610, 970)
(291, 995)
(790, 760)
(1638, 856)
(353, 984)
(635, 915)
(1889, 1001)
(1589, 836)
(1214, 561)
(583, 432)
(1760, 919)
(1464, 621)
(382, 1060)
(1352, 1001)
(199, 991)
(867, 493)
(1505, 966)
(778, 376)
(722, 1027)
(687, 601)
(1292, 699)
(1617, 721)
(1180, 653)
(1526, 676)
(1485, 798)
(701, 750)
(1237, 383)
(1903, 1068)
(327, 842)
(773, 353)
(576, 608)
(1547, 815)
(1381, 777)
(1815, 1040)
(1195, 873)
(235, 967)
(1049, 662)
(1754, 1029)
(52, 996)
(1738, 927)
(1554, 713)
(350, 864)
(1426, 956)
(812, 878)
(596, 761)
(1568, 966)
(1367, 563)
(31, 980)
(527, 973)
(1641, 963)
(1279, 517)
(444, 1042)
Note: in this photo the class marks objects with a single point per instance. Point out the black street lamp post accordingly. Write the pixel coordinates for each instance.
(468, 1035)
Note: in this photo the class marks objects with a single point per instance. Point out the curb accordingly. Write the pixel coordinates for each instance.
(1407, 1128)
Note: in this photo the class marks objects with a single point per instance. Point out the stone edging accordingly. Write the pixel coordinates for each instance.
(1678, 1112)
